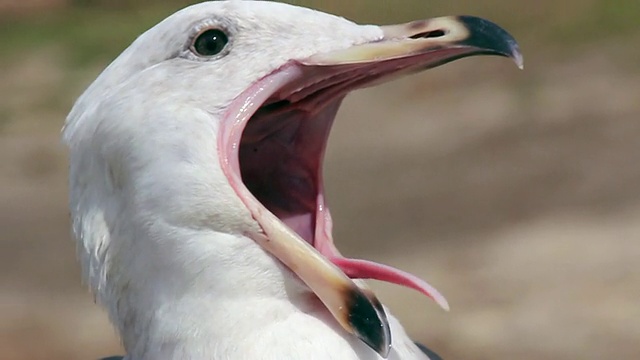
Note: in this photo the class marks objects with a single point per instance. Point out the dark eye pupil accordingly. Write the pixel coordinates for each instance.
(210, 42)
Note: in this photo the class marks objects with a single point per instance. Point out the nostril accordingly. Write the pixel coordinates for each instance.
(430, 34)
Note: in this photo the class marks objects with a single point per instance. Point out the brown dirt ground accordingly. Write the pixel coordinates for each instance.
(515, 193)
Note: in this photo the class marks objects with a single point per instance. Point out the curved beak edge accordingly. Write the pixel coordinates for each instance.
(430, 42)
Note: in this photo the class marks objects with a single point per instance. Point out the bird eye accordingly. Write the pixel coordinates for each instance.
(210, 42)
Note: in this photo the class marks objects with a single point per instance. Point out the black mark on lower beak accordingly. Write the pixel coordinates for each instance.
(369, 321)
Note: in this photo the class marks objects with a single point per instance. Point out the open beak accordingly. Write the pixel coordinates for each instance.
(308, 93)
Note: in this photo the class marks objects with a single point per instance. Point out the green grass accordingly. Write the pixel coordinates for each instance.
(87, 35)
(600, 20)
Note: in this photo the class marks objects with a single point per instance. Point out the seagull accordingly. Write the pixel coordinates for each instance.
(196, 190)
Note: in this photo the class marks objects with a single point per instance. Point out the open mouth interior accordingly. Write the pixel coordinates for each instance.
(280, 160)
(273, 151)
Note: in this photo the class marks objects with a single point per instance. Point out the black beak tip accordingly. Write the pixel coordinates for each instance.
(369, 322)
(490, 38)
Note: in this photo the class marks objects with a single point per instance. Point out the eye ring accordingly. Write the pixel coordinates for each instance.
(210, 42)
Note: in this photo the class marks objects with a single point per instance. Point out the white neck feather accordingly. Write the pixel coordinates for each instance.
(191, 302)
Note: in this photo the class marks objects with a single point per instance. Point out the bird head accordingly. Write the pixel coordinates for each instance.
(213, 125)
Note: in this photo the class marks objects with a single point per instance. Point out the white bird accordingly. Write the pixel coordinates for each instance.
(196, 191)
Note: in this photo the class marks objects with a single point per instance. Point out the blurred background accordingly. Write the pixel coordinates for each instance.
(516, 193)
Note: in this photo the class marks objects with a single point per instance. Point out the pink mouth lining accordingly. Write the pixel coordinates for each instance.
(307, 98)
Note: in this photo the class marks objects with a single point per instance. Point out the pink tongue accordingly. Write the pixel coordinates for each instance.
(363, 269)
